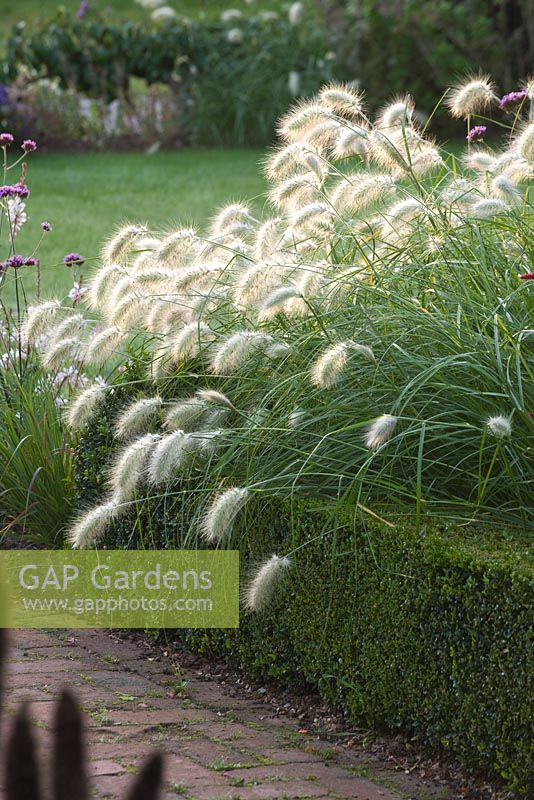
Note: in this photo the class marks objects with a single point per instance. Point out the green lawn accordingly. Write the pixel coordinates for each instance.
(86, 196)
(32, 11)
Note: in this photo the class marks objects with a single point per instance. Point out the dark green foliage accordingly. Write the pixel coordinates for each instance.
(229, 92)
(422, 46)
(428, 634)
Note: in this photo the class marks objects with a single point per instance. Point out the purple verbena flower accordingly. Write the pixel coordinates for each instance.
(83, 9)
(46, 227)
(6, 139)
(476, 133)
(73, 258)
(15, 261)
(512, 98)
(28, 145)
(15, 190)
(31, 262)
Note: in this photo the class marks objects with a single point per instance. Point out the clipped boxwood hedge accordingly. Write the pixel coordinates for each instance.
(429, 634)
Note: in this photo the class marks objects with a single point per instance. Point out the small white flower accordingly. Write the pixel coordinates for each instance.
(380, 430)
(296, 13)
(499, 426)
(163, 13)
(293, 83)
(77, 292)
(230, 14)
(16, 214)
(234, 36)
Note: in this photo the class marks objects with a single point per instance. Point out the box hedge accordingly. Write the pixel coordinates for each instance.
(425, 633)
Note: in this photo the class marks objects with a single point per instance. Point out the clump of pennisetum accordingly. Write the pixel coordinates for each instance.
(231, 303)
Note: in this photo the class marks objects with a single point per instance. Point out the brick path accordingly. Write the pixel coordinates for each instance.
(217, 746)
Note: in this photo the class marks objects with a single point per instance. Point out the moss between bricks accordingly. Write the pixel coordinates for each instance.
(429, 634)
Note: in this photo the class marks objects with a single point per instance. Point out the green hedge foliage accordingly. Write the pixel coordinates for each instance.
(231, 80)
(428, 634)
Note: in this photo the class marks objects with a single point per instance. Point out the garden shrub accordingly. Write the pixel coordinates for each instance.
(363, 354)
(230, 81)
(423, 45)
(64, 119)
(426, 633)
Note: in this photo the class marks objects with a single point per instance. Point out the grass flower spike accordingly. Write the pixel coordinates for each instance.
(499, 427)
(261, 588)
(221, 514)
(84, 406)
(380, 431)
(92, 525)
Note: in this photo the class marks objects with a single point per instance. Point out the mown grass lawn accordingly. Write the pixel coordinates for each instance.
(85, 197)
(34, 11)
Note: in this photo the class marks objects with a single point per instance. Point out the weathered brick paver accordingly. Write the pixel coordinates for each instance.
(217, 746)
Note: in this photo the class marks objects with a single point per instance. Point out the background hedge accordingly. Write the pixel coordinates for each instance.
(426, 633)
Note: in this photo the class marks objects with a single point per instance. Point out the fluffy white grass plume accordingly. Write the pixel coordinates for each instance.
(471, 97)
(198, 274)
(185, 414)
(130, 467)
(397, 113)
(426, 160)
(129, 312)
(294, 157)
(489, 207)
(324, 134)
(295, 190)
(303, 116)
(102, 283)
(103, 345)
(228, 216)
(82, 407)
(189, 341)
(524, 143)
(39, 319)
(268, 238)
(480, 160)
(62, 351)
(215, 398)
(261, 588)
(90, 527)
(499, 427)
(380, 431)
(388, 151)
(222, 512)
(359, 190)
(351, 141)
(171, 455)
(405, 210)
(516, 168)
(278, 302)
(330, 365)
(253, 283)
(342, 99)
(137, 417)
(71, 326)
(502, 187)
(122, 242)
(178, 246)
(310, 213)
(237, 349)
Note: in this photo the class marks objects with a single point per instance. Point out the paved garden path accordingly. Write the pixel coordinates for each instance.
(217, 746)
